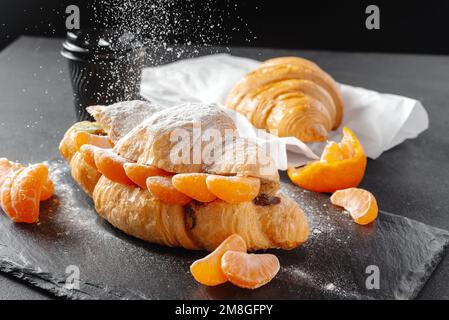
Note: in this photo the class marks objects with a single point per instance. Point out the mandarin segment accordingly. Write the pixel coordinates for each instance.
(22, 189)
(48, 190)
(233, 189)
(194, 185)
(7, 168)
(360, 203)
(88, 153)
(111, 165)
(26, 192)
(67, 147)
(162, 188)
(249, 271)
(342, 165)
(83, 137)
(139, 173)
(207, 270)
(5, 196)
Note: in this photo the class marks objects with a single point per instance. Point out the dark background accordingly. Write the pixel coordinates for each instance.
(406, 26)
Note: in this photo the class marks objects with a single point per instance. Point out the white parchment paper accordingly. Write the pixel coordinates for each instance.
(380, 121)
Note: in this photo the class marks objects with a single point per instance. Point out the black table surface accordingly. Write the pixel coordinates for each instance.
(411, 180)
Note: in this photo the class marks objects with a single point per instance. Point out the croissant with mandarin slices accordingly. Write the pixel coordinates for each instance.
(289, 96)
(140, 187)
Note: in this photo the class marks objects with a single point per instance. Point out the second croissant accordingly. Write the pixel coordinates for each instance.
(289, 96)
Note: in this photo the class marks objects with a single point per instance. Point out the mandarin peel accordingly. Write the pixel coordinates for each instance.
(341, 166)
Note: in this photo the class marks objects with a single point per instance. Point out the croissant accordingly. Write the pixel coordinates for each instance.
(271, 220)
(289, 96)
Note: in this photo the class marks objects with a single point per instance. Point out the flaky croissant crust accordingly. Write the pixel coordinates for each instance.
(289, 96)
(199, 226)
(196, 226)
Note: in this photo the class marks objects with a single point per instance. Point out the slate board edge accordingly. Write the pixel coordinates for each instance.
(426, 276)
(56, 286)
(438, 258)
(97, 291)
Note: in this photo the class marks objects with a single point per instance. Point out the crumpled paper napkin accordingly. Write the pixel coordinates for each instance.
(380, 121)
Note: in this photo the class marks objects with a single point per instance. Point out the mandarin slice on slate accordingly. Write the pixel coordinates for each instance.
(83, 137)
(249, 270)
(361, 204)
(7, 168)
(5, 195)
(139, 173)
(207, 270)
(233, 189)
(48, 189)
(342, 165)
(162, 188)
(194, 185)
(22, 189)
(111, 165)
(26, 192)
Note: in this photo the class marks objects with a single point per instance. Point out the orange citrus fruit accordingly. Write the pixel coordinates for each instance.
(7, 168)
(111, 165)
(249, 270)
(88, 153)
(5, 195)
(48, 189)
(233, 189)
(342, 165)
(162, 188)
(68, 146)
(21, 193)
(361, 204)
(139, 173)
(207, 270)
(84, 137)
(194, 185)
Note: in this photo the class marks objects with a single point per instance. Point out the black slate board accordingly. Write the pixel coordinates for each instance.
(331, 264)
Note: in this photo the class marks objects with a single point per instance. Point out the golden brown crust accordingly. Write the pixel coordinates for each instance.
(282, 225)
(327, 82)
(291, 95)
(138, 213)
(200, 226)
(84, 174)
(197, 226)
